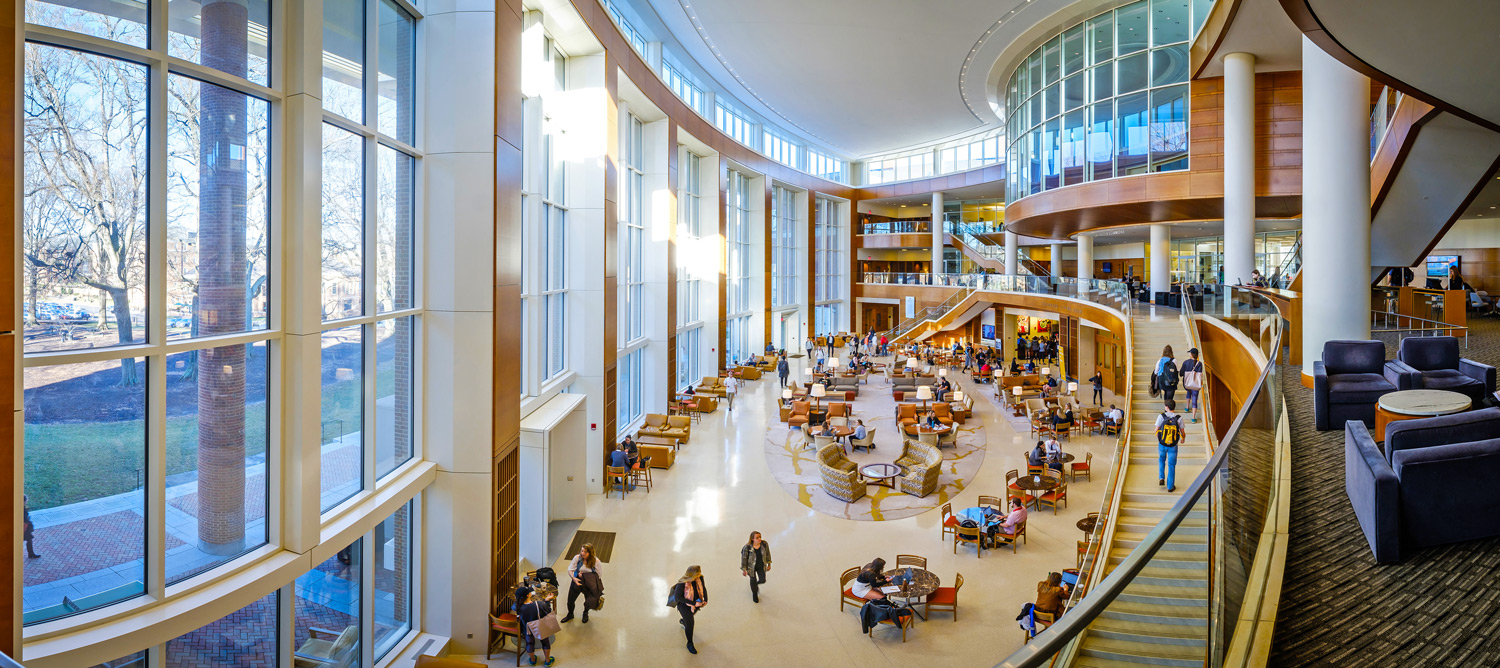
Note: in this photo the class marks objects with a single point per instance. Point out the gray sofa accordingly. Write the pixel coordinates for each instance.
(1433, 363)
(1434, 484)
(1348, 381)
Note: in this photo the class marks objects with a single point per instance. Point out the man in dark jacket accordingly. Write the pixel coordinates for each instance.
(782, 369)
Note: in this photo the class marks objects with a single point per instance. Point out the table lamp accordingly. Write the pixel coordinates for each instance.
(818, 391)
(911, 363)
(786, 395)
(833, 362)
(943, 373)
(1072, 387)
(1016, 391)
(958, 397)
(924, 394)
(1046, 371)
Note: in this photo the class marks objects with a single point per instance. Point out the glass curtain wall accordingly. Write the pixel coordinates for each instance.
(831, 267)
(544, 232)
(1201, 259)
(784, 238)
(689, 283)
(152, 310)
(738, 310)
(631, 241)
(1107, 97)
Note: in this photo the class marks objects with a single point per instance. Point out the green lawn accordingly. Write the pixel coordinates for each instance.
(72, 462)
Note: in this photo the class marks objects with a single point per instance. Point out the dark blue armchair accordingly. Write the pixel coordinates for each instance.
(1433, 363)
(1437, 487)
(1349, 380)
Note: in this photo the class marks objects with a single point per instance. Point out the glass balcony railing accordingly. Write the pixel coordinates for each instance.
(1114, 294)
(1233, 496)
(897, 227)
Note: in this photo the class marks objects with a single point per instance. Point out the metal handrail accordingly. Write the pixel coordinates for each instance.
(1426, 327)
(1052, 640)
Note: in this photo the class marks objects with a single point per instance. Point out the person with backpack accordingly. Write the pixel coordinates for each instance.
(531, 612)
(1192, 381)
(1165, 378)
(689, 596)
(583, 571)
(1168, 437)
(755, 560)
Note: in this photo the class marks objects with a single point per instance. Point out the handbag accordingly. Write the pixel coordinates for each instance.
(544, 627)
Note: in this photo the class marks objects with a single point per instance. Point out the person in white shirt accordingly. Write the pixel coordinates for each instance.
(585, 564)
(859, 430)
(1116, 415)
(1054, 452)
(731, 388)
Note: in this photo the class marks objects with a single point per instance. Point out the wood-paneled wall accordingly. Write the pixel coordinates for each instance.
(10, 200)
(509, 168)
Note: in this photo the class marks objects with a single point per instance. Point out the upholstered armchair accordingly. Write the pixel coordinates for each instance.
(713, 385)
(906, 414)
(943, 412)
(840, 475)
(749, 372)
(1349, 380)
(838, 409)
(707, 403)
(799, 416)
(655, 425)
(868, 442)
(1433, 363)
(924, 463)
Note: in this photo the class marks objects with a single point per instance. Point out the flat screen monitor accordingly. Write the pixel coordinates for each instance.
(1108, 267)
(987, 332)
(1437, 265)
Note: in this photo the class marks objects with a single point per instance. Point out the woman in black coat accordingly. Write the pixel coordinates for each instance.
(691, 594)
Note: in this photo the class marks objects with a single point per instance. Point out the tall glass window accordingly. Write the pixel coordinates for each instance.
(739, 310)
(784, 246)
(828, 234)
(1131, 66)
(154, 348)
(326, 610)
(628, 387)
(632, 238)
(689, 239)
(393, 578)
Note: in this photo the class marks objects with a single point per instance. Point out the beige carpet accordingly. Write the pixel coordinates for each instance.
(795, 468)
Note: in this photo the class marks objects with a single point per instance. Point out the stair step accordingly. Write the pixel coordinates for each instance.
(1165, 615)
(1144, 653)
(1119, 629)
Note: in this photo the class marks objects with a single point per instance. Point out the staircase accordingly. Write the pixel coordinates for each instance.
(1161, 618)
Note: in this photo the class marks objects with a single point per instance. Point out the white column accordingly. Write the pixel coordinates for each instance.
(1010, 253)
(1161, 265)
(1056, 260)
(1085, 258)
(937, 232)
(458, 328)
(1335, 203)
(1239, 167)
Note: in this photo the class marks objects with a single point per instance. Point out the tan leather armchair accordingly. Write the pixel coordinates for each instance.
(799, 416)
(707, 403)
(712, 385)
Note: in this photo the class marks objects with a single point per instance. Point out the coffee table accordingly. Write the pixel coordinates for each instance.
(880, 474)
(1415, 404)
(657, 440)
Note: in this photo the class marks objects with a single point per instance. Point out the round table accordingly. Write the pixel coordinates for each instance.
(1088, 524)
(923, 584)
(1038, 487)
(1414, 404)
(840, 433)
(880, 474)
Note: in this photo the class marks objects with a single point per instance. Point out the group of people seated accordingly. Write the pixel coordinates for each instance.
(1047, 453)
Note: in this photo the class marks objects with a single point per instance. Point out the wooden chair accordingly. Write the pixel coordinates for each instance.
(975, 536)
(904, 624)
(1083, 550)
(847, 597)
(1012, 490)
(1043, 620)
(945, 599)
(904, 560)
(1035, 470)
(1109, 429)
(502, 626)
(640, 474)
(1057, 495)
(616, 475)
(1020, 533)
(1085, 467)
(950, 522)
(994, 501)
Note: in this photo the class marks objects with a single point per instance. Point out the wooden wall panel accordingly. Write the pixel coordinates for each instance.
(670, 316)
(10, 201)
(506, 413)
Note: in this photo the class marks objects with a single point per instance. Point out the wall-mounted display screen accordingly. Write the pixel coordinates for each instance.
(1437, 265)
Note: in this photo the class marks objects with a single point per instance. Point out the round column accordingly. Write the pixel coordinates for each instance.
(1239, 167)
(937, 233)
(1010, 253)
(1085, 259)
(1161, 265)
(1055, 264)
(1335, 204)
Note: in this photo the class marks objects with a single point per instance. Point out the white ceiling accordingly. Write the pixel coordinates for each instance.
(860, 76)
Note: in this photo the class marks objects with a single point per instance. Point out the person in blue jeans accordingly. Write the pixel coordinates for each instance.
(1168, 437)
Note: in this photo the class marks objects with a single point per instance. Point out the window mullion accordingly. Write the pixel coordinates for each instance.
(156, 307)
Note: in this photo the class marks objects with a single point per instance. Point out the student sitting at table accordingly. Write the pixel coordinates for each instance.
(1062, 419)
(1051, 594)
(632, 451)
(1015, 367)
(1115, 416)
(932, 421)
(1038, 456)
(827, 429)
(871, 579)
(1030, 366)
(1054, 453)
(1014, 519)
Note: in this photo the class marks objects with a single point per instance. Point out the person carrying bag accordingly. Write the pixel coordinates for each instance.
(541, 624)
(1168, 436)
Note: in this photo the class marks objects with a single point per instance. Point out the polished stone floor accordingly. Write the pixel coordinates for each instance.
(704, 508)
